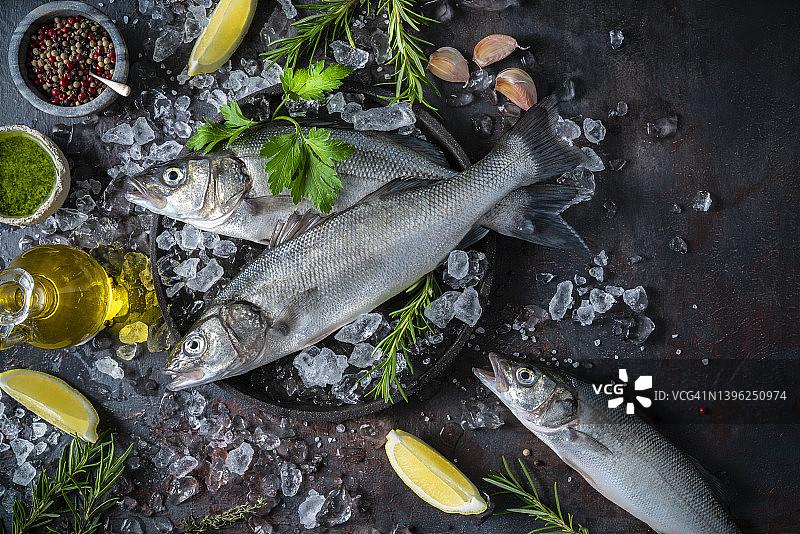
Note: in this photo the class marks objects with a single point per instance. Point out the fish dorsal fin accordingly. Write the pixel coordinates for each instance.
(424, 148)
(714, 483)
(474, 235)
(290, 315)
(295, 225)
(399, 185)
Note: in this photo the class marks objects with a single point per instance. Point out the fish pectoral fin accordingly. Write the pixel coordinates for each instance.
(270, 204)
(472, 237)
(294, 226)
(289, 317)
(533, 214)
(588, 442)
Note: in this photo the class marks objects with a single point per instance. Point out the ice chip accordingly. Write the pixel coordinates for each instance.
(345, 389)
(597, 273)
(601, 259)
(458, 264)
(350, 110)
(235, 80)
(166, 151)
(678, 245)
(664, 127)
(165, 240)
(206, 277)
(360, 329)
(616, 38)
(127, 352)
(336, 103)
(600, 300)
(615, 291)
(142, 132)
(477, 414)
(110, 367)
(85, 204)
(21, 449)
(635, 298)
(567, 130)
(620, 110)
(183, 466)
(121, 134)
(584, 314)
(288, 8)
(479, 81)
(467, 307)
(529, 317)
(579, 280)
(167, 43)
(364, 355)
(24, 474)
(182, 129)
(544, 278)
(291, 478)
(477, 268)
(561, 301)
(384, 119)
(593, 162)
(320, 368)
(195, 404)
(135, 332)
(441, 311)
(309, 508)
(224, 249)
(182, 103)
(39, 430)
(702, 201)
(238, 460)
(187, 269)
(163, 457)
(69, 219)
(346, 55)
(182, 489)
(593, 130)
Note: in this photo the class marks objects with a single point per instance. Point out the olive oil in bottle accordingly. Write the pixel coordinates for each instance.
(55, 296)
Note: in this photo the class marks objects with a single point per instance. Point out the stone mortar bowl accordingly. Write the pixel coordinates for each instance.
(60, 189)
(19, 45)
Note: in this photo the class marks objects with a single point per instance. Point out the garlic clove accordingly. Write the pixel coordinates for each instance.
(518, 86)
(493, 48)
(448, 64)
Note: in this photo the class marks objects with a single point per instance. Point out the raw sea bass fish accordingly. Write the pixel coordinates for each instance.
(227, 191)
(620, 455)
(299, 292)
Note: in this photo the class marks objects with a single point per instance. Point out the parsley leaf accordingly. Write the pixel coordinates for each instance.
(286, 161)
(310, 83)
(211, 134)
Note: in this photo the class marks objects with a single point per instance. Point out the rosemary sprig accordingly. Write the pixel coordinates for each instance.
(85, 472)
(556, 523)
(222, 519)
(332, 18)
(403, 336)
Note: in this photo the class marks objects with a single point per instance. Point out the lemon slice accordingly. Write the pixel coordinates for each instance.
(53, 400)
(431, 476)
(224, 33)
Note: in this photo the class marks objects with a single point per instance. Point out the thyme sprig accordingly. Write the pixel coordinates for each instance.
(222, 519)
(85, 473)
(556, 523)
(403, 336)
(332, 18)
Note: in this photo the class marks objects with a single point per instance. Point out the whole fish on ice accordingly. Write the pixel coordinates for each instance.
(620, 455)
(299, 292)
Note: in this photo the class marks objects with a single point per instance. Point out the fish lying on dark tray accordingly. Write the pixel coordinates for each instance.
(302, 290)
(619, 454)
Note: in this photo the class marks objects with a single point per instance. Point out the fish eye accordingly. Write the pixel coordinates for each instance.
(195, 344)
(173, 176)
(525, 376)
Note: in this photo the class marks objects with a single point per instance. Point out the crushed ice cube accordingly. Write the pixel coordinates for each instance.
(479, 80)
(69, 219)
(288, 8)
(360, 329)
(678, 245)
(477, 268)
(636, 298)
(165, 240)
(664, 127)
(477, 414)
(458, 264)
(635, 330)
(584, 314)
(544, 278)
(567, 129)
(593, 130)
(167, 43)
(110, 367)
(238, 460)
(579, 280)
(135, 332)
(561, 301)
(195, 404)
(600, 300)
(467, 307)
(384, 119)
(24, 474)
(21, 449)
(182, 489)
(188, 268)
(346, 55)
(441, 311)
(291, 478)
(163, 457)
(351, 109)
(702, 201)
(597, 273)
(617, 164)
(582, 179)
(121, 134)
(142, 132)
(224, 249)
(615, 291)
(206, 277)
(182, 103)
(529, 317)
(183, 466)
(345, 390)
(364, 355)
(336, 103)
(616, 38)
(593, 161)
(601, 259)
(620, 110)
(320, 367)
(309, 509)
(166, 151)
(39, 430)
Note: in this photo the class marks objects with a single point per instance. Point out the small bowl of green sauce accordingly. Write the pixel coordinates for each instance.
(34, 176)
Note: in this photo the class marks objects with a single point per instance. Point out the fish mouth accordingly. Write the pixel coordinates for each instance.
(493, 379)
(185, 379)
(137, 193)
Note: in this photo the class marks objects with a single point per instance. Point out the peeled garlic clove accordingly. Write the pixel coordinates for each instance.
(448, 64)
(493, 48)
(518, 86)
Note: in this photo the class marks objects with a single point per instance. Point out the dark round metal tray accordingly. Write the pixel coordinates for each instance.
(249, 386)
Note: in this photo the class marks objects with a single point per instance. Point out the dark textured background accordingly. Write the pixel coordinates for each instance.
(730, 72)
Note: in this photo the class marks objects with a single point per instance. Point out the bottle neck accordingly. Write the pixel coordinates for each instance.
(44, 299)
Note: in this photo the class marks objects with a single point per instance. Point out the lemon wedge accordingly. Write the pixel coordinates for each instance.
(431, 476)
(53, 400)
(224, 33)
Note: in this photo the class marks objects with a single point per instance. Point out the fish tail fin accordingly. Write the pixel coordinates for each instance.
(533, 214)
(532, 148)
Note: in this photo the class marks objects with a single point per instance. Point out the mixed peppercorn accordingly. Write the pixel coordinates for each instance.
(62, 53)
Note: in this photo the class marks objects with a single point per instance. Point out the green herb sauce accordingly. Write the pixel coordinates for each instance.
(27, 175)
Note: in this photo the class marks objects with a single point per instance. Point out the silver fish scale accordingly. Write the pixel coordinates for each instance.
(642, 471)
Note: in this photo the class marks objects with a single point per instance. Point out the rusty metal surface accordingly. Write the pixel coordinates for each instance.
(729, 71)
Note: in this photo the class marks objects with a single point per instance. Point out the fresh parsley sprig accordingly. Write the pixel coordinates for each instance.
(211, 134)
(555, 520)
(403, 336)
